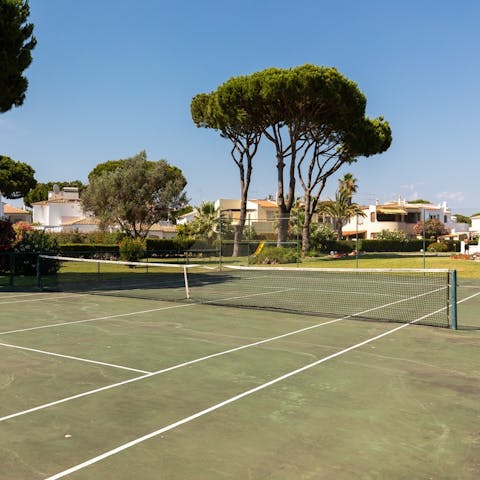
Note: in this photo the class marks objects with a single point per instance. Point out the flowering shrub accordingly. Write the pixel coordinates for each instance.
(21, 228)
(33, 242)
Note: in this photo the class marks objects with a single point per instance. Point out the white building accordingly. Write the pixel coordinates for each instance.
(260, 213)
(474, 230)
(399, 216)
(15, 214)
(63, 212)
(62, 208)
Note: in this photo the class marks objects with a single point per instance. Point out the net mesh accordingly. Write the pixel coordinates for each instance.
(397, 295)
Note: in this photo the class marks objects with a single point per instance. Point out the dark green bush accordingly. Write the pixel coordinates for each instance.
(27, 249)
(340, 246)
(7, 236)
(392, 245)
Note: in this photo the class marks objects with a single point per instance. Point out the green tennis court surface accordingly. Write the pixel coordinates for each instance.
(107, 387)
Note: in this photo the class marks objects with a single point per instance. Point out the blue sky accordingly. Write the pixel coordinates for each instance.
(113, 77)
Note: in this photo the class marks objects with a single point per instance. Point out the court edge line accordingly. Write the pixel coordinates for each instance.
(70, 357)
(191, 362)
(217, 406)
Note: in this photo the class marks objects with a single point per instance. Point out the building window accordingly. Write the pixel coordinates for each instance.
(372, 217)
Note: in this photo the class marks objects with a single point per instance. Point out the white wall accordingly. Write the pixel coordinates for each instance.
(54, 214)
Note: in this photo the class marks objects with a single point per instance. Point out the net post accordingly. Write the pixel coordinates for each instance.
(37, 271)
(185, 278)
(453, 298)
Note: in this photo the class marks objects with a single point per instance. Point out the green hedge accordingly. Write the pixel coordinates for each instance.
(163, 247)
(86, 250)
(340, 246)
(393, 245)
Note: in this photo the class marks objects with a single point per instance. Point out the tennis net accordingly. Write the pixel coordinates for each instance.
(397, 295)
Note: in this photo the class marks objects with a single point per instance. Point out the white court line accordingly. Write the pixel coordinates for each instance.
(191, 362)
(201, 413)
(168, 369)
(8, 345)
(217, 406)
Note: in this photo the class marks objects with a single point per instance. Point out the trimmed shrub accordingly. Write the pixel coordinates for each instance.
(392, 245)
(164, 247)
(274, 255)
(340, 246)
(88, 238)
(132, 249)
(437, 247)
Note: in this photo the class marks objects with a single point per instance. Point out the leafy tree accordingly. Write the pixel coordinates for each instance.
(137, 195)
(315, 118)
(340, 210)
(16, 45)
(16, 178)
(231, 111)
(463, 219)
(110, 166)
(433, 228)
(420, 201)
(40, 192)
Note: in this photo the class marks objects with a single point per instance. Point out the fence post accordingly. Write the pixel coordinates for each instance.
(453, 298)
(37, 271)
(12, 269)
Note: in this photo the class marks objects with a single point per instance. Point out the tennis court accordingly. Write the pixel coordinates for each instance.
(108, 386)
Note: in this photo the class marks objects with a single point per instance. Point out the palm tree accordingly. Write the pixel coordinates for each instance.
(204, 225)
(209, 223)
(348, 184)
(341, 210)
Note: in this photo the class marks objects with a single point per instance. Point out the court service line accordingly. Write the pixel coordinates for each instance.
(45, 298)
(97, 318)
(230, 400)
(191, 362)
(70, 357)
